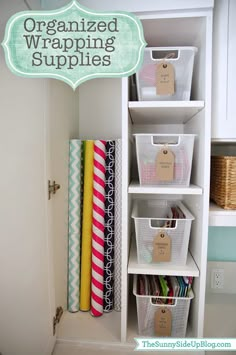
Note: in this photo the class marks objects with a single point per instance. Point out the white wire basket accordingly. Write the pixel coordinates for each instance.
(148, 146)
(150, 217)
(147, 307)
(182, 59)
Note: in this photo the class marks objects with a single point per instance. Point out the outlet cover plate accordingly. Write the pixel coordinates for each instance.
(217, 279)
(229, 269)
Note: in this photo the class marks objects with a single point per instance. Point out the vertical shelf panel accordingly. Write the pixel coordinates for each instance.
(193, 117)
(125, 208)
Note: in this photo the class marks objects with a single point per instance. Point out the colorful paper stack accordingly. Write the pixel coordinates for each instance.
(94, 182)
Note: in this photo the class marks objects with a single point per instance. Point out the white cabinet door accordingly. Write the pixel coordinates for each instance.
(224, 71)
(26, 294)
(62, 124)
(26, 299)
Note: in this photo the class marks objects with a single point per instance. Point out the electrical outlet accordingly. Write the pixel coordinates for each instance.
(217, 278)
(229, 272)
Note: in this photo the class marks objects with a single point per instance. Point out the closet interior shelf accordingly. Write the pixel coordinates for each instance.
(136, 188)
(218, 217)
(162, 112)
(190, 269)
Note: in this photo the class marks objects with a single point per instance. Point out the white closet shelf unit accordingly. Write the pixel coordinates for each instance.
(219, 217)
(192, 117)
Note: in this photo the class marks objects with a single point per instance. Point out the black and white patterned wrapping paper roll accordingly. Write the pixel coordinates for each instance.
(108, 300)
(118, 226)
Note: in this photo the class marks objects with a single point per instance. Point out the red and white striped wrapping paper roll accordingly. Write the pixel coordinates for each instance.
(98, 228)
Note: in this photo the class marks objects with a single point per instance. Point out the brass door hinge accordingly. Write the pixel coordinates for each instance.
(52, 188)
(57, 318)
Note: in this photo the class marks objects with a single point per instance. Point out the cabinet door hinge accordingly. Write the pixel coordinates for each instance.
(57, 318)
(52, 188)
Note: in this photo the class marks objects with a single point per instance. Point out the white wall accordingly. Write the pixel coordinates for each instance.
(131, 5)
(98, 103)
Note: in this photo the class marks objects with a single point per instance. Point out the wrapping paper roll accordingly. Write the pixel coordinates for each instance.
(74, 224)
(109, 227)
(98, 228)
(118, 225)
(86, 247)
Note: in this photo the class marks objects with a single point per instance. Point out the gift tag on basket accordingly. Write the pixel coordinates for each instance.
(163, 322)
(161, 248)
(165, 79)
(165, 165)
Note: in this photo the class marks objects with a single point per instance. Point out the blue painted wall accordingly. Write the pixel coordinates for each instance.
(222, 244)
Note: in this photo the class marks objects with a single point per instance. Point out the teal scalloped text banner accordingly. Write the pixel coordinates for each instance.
(73, 44)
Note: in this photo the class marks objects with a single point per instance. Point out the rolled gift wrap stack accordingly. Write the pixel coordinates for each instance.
(94, 280)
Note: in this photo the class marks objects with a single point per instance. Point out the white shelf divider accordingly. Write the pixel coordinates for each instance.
(162, 112)
(136, 188)
(219, 217)
(190, 269)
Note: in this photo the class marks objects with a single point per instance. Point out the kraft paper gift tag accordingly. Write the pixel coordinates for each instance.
(163, 322)
(165, 165)
(161, 248)
(165, 79)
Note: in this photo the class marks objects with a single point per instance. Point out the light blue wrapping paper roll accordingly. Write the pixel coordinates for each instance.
(75, 178)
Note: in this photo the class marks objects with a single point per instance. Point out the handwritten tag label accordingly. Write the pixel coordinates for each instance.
(165, 165)
(161, 248)
(163, 322)
(165, 79)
